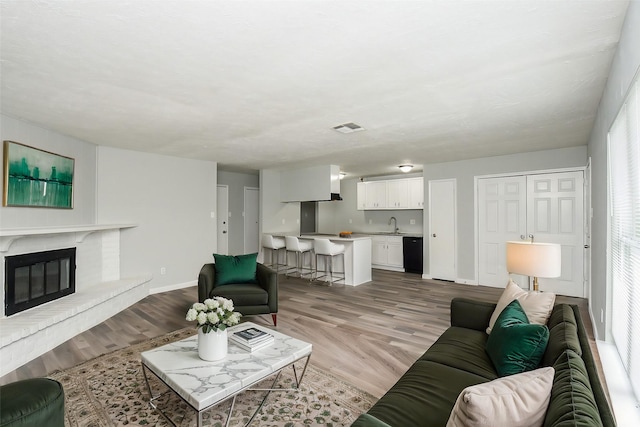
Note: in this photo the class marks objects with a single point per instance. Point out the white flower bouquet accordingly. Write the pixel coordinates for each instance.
(213, 314)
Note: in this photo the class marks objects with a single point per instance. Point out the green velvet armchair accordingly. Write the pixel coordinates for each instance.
(248, 298)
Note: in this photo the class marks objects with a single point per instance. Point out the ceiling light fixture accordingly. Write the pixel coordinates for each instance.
(405, 168)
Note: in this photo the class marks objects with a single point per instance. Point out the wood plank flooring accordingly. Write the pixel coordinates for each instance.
(367, 335)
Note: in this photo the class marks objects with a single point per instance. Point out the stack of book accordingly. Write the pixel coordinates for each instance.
(251, 339)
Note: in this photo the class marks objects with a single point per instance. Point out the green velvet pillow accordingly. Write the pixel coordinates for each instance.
(235, 269)
(514, 345)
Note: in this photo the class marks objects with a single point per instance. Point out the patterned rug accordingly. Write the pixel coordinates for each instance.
(110, 390)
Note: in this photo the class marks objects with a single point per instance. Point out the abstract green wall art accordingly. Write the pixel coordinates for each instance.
(36, 178)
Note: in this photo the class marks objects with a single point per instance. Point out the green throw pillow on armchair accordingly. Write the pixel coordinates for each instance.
(235, 269)
(514, 344)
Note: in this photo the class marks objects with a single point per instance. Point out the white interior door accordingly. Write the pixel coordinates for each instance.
(502, 216)
(555, 214)
(222, 213)
(549, 207)
(251, 217)
(442, 229)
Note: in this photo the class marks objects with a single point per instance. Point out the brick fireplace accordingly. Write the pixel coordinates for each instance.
(100, 292)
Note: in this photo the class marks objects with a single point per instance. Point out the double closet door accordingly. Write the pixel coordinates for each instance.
(549, 207)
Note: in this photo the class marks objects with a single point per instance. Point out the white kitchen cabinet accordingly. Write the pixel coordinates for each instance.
(416, 193)
(361, 196)
(393, 194)
(387, 253)
(376, 195)
(398, 194)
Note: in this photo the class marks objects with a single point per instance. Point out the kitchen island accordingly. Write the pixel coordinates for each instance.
(357, 256)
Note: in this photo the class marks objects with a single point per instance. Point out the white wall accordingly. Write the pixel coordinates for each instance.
(171, 200)
(84, 179)
(623, 69)
(237, 182)
(465, 171)
(276, 216)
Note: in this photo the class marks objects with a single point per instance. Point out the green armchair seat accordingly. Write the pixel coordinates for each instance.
(248, 298)
(34, 402)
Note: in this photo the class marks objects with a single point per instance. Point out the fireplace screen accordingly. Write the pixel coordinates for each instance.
(36, 278)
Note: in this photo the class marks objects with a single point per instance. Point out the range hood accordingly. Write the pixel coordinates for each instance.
(312, 184)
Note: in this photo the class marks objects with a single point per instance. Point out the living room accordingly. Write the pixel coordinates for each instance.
(165, 201)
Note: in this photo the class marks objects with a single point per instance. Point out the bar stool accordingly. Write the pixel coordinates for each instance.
(300, 248)
(274, 244)
(327, 249)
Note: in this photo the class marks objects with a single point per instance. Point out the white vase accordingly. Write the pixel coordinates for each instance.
(213, 345)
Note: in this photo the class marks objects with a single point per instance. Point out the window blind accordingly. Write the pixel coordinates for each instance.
(624, 232)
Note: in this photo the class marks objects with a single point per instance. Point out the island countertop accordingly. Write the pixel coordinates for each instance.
(357, 255)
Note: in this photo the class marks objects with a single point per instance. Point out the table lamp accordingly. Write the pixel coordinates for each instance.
(534, 259)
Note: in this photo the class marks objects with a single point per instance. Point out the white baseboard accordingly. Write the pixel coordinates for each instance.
(173, 287)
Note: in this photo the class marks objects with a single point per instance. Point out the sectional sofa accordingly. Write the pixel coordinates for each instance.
(427, 393)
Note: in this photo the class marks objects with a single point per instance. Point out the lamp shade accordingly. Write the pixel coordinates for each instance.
(534, 259)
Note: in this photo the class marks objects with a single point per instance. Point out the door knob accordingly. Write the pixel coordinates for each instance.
(434, 234)
(224, 232)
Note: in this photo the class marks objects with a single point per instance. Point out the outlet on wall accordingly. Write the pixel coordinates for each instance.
(601, 315)
(283, 220)
(412, 221)
(350, 221)
(370, 221)
(163, 271)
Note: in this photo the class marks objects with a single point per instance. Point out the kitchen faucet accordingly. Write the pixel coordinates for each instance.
(395, 224)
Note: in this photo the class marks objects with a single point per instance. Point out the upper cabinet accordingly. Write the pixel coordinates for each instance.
(375, 195)
(390, 194)
(416, 193)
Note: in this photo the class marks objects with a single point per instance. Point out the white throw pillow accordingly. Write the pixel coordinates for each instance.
(537, 305)
(519, 400)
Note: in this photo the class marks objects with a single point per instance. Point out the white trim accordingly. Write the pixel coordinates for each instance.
(173, 287)
(532, 172)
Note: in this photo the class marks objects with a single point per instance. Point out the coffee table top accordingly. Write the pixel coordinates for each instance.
(203, 383)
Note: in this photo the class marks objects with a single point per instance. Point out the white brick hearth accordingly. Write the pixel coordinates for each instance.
(100, 292)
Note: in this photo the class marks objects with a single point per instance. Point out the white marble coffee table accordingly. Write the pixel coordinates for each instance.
(203, 384)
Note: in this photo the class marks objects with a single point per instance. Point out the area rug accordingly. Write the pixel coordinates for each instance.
(110, 390)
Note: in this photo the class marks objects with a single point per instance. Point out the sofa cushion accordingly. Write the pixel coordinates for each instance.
(537, 305)
(243, 294)
(462, 348)
(235, 269)
(32, 402)
(519, 400)
(423, 396)
(572, 401)
(514, 344)
(561, 313)
(366, 420)
(562, 336)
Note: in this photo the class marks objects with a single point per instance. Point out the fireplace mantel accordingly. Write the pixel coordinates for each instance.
(10, 235)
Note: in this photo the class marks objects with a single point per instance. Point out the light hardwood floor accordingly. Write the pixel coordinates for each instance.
(367, 335)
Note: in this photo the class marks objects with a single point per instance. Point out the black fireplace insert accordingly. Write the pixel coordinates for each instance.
(39, 277)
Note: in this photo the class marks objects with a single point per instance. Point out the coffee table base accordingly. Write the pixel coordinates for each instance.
(298, 381)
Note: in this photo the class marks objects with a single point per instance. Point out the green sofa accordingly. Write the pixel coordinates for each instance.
(34, 402)
(427, 392)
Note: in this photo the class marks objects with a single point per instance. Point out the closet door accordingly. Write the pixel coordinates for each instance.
(501, 217)
(555, 214)
(550, 207)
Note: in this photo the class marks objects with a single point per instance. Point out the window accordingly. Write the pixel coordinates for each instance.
(624, 233)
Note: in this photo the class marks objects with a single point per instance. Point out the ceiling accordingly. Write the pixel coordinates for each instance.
(260, 84)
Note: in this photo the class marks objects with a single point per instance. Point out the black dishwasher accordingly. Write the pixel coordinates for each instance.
(412, 254)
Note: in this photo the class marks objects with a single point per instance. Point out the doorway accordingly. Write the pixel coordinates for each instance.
(547, 206)
(308, 217)
(222, 213)
(442, 229)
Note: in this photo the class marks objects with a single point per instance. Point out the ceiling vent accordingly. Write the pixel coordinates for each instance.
(348, 128)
